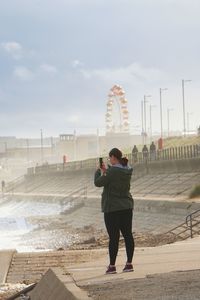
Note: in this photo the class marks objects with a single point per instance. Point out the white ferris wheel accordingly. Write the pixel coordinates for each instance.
(117, 114)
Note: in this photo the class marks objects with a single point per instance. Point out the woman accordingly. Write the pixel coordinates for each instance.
(117, 205)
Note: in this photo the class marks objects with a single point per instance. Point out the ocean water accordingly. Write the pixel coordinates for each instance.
(14, 222)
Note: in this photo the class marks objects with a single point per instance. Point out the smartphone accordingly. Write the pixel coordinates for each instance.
(100, 162)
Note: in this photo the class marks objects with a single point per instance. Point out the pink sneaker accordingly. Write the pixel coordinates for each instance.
(128, 268)
(111, 270)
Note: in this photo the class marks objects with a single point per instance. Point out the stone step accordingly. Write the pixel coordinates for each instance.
(31, 266)
(170, 184)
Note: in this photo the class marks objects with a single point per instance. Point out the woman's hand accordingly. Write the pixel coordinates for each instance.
(102, 169)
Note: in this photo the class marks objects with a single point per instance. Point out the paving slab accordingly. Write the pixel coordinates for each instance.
(180, 256)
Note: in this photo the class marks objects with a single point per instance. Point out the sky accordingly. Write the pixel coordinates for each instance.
(59, 59)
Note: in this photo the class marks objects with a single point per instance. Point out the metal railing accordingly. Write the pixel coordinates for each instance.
(173, 153)
(191, 224)
(179, 231)
(192, 221)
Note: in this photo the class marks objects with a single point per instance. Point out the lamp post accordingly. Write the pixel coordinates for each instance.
(161, 118)
(168, 120)
(142, 119)
(41, 144)
(75, 145)
(150, 118)
(188, 121)
(183, 96)
(27, 147)
(145, 117)
(52, 147)
(98, 148)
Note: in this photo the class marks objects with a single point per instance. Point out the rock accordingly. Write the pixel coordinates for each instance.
(92, 240)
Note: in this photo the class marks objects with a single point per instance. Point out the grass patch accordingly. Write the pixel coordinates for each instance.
(195, 192)
(181, 141)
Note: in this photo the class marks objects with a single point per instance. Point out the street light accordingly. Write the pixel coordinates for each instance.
(183, 94)
(150, 117)
(52, 147)
(145, 117)
(98, 146)
(188, 121)
(161, 119)
(75, 145)
(142, 119)
(27, 147)
(168, 112)
(41, 140)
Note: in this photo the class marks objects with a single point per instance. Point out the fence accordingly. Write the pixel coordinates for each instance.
(174, 153)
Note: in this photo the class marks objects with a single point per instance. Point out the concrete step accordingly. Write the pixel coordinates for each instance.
(165, 184)
(31, 266)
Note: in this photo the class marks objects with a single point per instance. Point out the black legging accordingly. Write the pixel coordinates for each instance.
(115, 222)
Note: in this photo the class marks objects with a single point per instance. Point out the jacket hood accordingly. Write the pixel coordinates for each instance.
(126, 170)
(122, 173)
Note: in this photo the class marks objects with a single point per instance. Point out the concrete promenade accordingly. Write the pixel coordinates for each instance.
(180, 256)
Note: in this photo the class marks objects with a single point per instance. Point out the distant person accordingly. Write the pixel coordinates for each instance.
(64, 159)
(152, 151)
(160, 143)
(3, 185)
(117, 205)
(145, 152)
(135, 154)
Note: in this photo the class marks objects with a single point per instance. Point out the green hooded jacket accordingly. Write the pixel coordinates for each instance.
(116, 192)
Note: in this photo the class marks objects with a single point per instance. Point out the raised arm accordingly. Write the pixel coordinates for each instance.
(101, 180)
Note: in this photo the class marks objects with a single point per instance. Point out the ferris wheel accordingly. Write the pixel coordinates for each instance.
(117, 114)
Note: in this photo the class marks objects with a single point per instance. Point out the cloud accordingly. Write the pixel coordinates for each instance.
(13, 48)
(17, 51)
(77, 63)
(23, 73)
(134, 72)
(48, 69)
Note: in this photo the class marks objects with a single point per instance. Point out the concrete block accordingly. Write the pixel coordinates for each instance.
(5, 262)
(57, 284)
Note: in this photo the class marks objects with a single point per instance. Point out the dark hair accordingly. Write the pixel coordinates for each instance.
(116, 153)
(124, 161)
